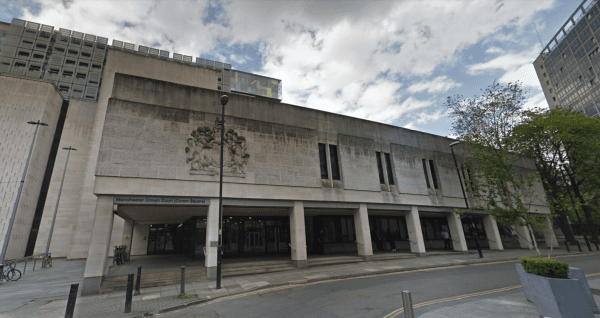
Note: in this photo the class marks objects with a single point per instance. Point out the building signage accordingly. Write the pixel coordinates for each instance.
(131, 200)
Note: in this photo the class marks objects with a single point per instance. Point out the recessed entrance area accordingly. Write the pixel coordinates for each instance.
(255, 235)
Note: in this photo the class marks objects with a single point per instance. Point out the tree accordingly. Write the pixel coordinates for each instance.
(484, 124)
(555, 136)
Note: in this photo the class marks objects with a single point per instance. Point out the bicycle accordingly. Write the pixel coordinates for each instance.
(10, 273)
(48, 260)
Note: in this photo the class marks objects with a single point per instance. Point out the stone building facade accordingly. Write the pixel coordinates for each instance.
(297, 181)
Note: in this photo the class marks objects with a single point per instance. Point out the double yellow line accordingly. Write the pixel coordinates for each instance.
(399, 311)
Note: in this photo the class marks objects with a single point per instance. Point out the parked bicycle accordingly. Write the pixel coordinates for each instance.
(120, 254)
(48, 260)
(11, 273)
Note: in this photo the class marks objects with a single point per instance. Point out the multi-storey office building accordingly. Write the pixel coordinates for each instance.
(569, 65)
(297, 181)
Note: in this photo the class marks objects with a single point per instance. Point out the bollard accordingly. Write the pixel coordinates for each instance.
(578, 246)
(596, 243)
(129, 293)
(24, 268)
(408, 307)
(34, 261)
(567, 246)
(71, 301)
(137, 282)
(182, 290)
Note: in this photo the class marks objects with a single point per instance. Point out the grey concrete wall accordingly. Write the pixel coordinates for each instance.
(77, 133)
(147, 68)
(23, 100)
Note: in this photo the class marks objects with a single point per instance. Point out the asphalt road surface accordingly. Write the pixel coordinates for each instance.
(374, 296)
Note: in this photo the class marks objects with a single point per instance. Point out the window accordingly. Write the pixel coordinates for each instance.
(542, 66)
(547, 82)
(388, 165)
(433, 176)
(380, 167)
(426, 176)
(544, 74)
(323, 161)
(553, 98)
(335, 169)
(338, 229)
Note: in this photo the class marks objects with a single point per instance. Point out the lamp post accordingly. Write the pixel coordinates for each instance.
(224, 100)
(14, 212)
(57, 201)
(562, 164)
(465, 197)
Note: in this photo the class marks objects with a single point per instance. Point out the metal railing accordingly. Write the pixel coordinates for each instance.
(25, 260)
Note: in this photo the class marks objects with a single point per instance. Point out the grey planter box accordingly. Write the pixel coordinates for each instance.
(556, 297)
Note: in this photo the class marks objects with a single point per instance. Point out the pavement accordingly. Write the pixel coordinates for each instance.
(513, 305)
(43, 293)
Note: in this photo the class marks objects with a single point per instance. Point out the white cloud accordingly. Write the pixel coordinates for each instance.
(329, 56)
(537, 101)
(425, 117)
(494, 50)
(440, 84)
(517, 66)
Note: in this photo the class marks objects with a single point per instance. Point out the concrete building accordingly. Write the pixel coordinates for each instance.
(569, 65)
(297, 181)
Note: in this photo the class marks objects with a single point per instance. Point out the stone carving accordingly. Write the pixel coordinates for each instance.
(203, 151)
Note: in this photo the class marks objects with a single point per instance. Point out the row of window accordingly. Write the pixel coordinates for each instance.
(384, 167)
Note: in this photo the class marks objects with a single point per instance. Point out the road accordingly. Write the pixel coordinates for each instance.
(374, 296)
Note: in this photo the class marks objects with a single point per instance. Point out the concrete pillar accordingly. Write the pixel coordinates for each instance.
(524, 237)
(415, 235)
(459, 243)
(549, 235)
(363, 233)
(95, 264)
(298, 235)
(212, 235)
(139, 243)
(492, 233)
(127, 234)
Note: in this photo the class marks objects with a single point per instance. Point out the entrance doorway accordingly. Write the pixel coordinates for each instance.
(255, 236)
(164, 239)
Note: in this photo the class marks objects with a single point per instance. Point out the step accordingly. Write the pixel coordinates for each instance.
(392, 256)
(333, 261)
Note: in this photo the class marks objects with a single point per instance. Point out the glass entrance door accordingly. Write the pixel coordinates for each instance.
(162, 239)
(277, 237)
(248, 236)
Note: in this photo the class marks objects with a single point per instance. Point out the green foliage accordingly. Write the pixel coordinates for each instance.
(184, 296)
(484, 126)
(545, 267)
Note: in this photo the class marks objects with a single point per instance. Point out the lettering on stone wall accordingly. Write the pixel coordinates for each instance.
(203, 152)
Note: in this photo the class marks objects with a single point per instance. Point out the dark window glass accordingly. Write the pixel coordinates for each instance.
(335, 168)
(433, 176)
(388, 165)
(323, 161)
(425, 171)
(379, 167)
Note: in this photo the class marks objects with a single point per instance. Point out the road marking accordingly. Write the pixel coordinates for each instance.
(399, 311)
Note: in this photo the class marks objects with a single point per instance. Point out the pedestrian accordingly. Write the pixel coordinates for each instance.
(446, 237)
(391, 239)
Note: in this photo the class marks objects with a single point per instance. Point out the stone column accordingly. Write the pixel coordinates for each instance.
(212, 234)
(99, 245)
(492, 233)
(524, 237)
(139, 244)
(298, 235)
(363, 233)
(415, 235)
(127, 234)
(459, 243)
(549, 235)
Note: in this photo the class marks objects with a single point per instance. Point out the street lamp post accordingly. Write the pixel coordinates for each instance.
(562, 164)
(14, 212)
(224, 100)
(465, 197)
(57, 201)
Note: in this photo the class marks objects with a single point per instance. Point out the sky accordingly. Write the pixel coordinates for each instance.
(393, 62)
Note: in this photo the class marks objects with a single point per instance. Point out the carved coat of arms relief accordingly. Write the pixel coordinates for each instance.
(204, 147)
